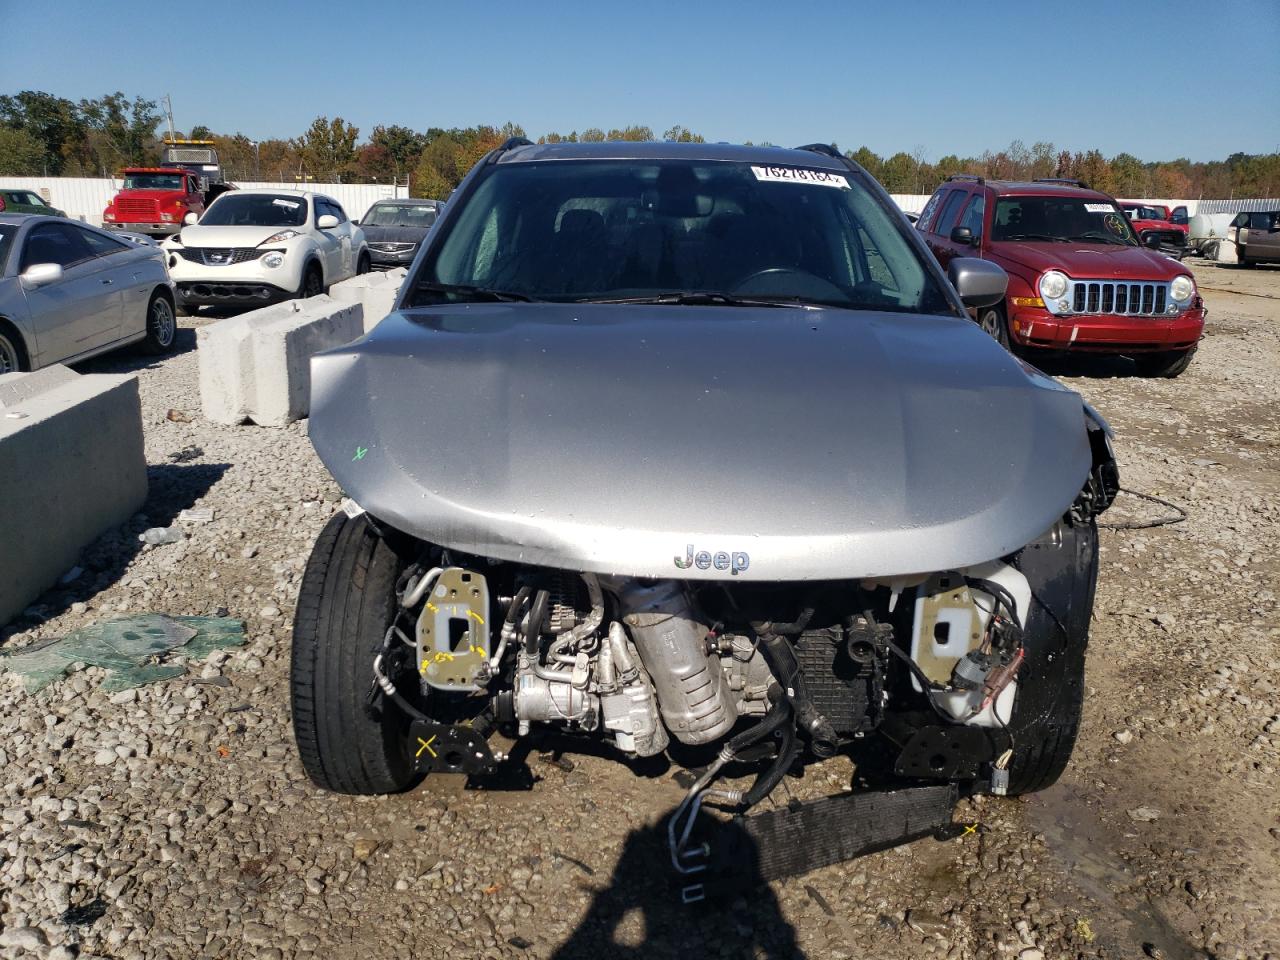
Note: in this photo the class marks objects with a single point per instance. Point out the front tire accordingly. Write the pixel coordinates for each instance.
(364, 264)
(1062, 569)
(1241, 259)
(162, 326)
(13, 355)
(345, 606)
(993, 322)
(1166, 364)
(312, 282)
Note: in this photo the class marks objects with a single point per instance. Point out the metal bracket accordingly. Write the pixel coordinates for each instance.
(449, 748)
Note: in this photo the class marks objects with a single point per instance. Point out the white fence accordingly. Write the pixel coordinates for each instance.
(84, 198)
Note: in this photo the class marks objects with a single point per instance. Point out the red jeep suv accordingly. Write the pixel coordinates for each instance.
(1079, 280)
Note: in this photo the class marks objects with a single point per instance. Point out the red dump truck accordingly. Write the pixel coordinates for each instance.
(153, 200)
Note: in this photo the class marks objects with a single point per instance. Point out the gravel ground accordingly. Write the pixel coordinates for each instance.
(175, 821)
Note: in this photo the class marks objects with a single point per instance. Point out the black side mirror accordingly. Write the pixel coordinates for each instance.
(1152, 240)
(962, 235)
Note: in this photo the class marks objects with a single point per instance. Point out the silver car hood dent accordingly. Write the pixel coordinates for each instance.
(818, 443)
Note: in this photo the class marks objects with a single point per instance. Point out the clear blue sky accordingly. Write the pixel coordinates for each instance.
(1199, 79)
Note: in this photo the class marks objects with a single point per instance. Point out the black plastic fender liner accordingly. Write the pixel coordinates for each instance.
(747, 851)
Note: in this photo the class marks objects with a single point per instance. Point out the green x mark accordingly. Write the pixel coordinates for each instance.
(360, 452)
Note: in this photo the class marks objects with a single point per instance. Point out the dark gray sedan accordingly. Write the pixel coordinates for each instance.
(395, 228)
(69, 291)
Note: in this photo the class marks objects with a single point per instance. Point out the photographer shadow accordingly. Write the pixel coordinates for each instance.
(640, 915)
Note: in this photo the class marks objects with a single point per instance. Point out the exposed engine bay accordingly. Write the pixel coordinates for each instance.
(922, 669)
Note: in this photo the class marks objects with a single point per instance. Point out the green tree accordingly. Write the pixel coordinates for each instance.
(123, 133)
(328, 149)
(592, 135)
(403, 146)
(868, 159)
(201, 132)
(52, 122)
(680, 134)
(21, 154)
(1128, 176)
(899, 173)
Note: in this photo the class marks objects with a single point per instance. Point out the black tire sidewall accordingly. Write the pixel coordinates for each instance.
(311, 269)
(19, 350)
(345, 604)
(1050, 696)
(150, 343)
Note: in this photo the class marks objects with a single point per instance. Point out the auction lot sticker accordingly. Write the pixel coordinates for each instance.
(822, 178)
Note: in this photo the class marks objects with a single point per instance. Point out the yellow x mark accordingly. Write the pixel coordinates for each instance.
(426, 745)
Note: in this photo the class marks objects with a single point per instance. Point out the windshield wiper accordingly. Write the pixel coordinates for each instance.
(1099, 238)
(1036, 236)
(478, 293)
(697, 299)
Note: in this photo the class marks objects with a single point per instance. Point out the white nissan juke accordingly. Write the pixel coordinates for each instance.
(255, 247)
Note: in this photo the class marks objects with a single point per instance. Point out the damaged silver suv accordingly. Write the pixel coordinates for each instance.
(694, 448)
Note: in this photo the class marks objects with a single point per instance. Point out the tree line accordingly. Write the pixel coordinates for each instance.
(45, 135)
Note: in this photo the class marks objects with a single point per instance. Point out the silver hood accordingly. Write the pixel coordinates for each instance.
(767, 444)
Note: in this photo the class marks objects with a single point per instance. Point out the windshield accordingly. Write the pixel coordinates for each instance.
(154, 181)
(399, 215)
(629, 229)
(255, 210)
(1060, 218)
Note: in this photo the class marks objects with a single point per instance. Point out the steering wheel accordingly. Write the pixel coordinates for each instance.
(787, 282)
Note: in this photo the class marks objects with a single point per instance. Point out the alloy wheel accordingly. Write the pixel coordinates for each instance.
(8, 356)
(163, 324)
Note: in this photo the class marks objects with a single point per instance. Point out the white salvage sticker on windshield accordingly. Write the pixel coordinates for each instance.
(287, 204)
(1099, 208)
(822, 178)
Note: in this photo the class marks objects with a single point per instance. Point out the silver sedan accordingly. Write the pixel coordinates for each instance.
(69, 291)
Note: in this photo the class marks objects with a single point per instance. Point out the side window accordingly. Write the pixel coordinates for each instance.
(1242, 219)
(100, 245)
(338, 212)
(53, 243)
(929, 210)
(946, 219)
(973, 215)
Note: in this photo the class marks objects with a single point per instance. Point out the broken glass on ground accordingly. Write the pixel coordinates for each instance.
(128, 648)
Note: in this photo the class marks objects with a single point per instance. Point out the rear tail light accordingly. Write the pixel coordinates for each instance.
(1, 204)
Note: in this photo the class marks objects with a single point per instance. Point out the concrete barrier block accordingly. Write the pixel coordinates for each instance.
(72, 467)
(376, 292)
(257, 366)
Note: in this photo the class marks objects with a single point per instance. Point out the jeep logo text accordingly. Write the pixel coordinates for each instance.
(735, 562)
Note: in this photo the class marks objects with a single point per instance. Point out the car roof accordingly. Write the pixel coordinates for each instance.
(1031, 188)
(652, 150)
(408, 201)
(18, 219)
(274, 193)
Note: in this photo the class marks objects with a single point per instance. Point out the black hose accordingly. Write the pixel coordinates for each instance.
(781, 658)
(537, 614)
(517, 602)
(778, 714)
(786, 629)
(788, 748)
